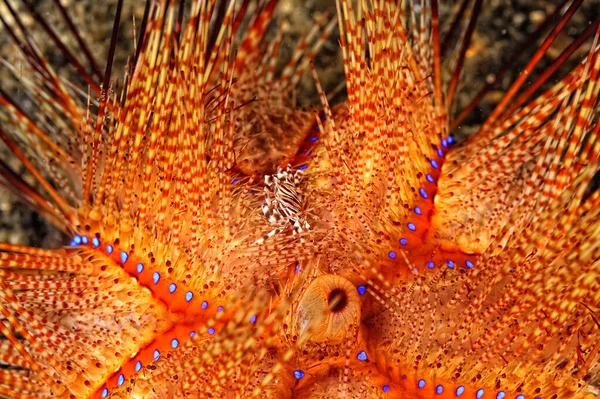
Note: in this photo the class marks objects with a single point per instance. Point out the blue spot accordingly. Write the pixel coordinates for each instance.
(105, 392)
(386, 388)
(423, 193)
(172, 288)
(418, 210)
(121, 380)
(303, 167)
(204, 305)
(479, 393)
(156, 277)
(439, 389)
(421, 384)
(211, 330)
(124, 257)
(298, 374)
(156, 354)
(451, 140)
(77, 239)
(469, 264)
(450, 264)
(138, 366)
(430, 264)
(188, 296)
(440, 152)
(192, 334)
(392, 255)
(444, 143)
(95, 242)
(174, 343)
(220, 309)
(109, 248)
(429, 178)
(404, 377)
(297, 269)
(434, 163)
(361, 289)
(72, 243)
(411, 226)
(403, 241)
(140, 268)
(362, 355)
(234, 181)
(307, 153)
(313, 139)
(85, 240)
(520, 397)
(460, 390)
(500, 395)
(253, 319)
(323, 117)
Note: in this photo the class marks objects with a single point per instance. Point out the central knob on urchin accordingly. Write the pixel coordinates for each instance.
(328, 310)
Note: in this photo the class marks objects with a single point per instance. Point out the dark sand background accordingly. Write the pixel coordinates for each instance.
(502, 25)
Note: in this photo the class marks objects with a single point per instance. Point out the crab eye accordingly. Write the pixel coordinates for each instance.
(328, 310)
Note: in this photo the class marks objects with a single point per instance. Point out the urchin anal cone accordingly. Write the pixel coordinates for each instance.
(328, 310)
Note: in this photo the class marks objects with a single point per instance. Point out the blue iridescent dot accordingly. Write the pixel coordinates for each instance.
(450, 264)
(95, 242)
(361, 289)
(392, 255)
(479, 393)
(105, 392)
(439, 389)
(440, 152)
(109, 248)
(303, 167)
(418, 210)
(313, 139)
(77, 239)
(411, 226)
(500, 395)
(460, 390)
(434, 163)
(156, 354)
(138, 366)
(85, 240)
(234, 181)
(362, 355)
(172, 288)
(298, 374)
(403, 241)
(307, 153)
(404, 377)
(430, 264)
(421, 384)
(174, 343)
(211, 330)
(429, 178)
(140, 268)
(469, 264)
(520, 396)
(297, 269)
(124, 257)
(192, 334)
(120, 380)
(386, 388)
(220, 309)
(253, 319)
(188, 296)
(204, 305)
(450, 140)
(444, 143)
(423, 193)
(72, 243)
(155, 277)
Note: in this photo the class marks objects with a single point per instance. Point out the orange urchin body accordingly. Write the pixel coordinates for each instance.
(397, 263)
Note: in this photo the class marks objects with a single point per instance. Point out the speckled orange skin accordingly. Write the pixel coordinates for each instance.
(430, 270)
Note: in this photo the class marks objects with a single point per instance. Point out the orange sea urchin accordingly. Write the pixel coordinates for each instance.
(422, 269)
